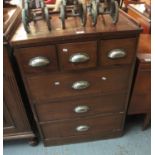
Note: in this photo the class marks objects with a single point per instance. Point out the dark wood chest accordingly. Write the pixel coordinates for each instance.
(78, 79)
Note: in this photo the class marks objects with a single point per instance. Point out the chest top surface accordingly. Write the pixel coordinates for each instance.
(74, 30)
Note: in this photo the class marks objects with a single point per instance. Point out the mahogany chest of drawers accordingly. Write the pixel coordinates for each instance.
(78, 79)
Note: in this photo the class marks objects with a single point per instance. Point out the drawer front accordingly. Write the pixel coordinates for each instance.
(82, 138)
(36, 60)
(117, 51)
(81, 107)
(79, 55)
(86, 126)
(56, 86)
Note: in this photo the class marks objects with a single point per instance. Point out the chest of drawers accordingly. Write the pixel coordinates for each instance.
(78, 79)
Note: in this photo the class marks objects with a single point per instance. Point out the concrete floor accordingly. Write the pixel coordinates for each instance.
(134, 142)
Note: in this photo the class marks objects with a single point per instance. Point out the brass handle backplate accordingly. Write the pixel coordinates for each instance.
(82, 128)
(39, 61)
(79, 85)
(81, 109)
(79, 57)
(116, 54)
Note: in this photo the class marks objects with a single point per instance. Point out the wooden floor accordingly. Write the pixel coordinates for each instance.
(134, 142)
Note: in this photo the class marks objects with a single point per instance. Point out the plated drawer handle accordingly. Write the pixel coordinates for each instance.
(39, 61)
(82, 128)
(81, 109)
(79, 57)
(116, 53)
(78, 85)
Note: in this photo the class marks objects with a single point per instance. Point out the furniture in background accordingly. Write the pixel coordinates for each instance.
(141, 13)
(78, 79)
(15, 121)
(148, 2)
(140, 102)
(127, 2)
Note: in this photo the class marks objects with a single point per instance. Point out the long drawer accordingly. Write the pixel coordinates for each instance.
(60, 85)
(82, 107)
(82, 138)
(86, 126)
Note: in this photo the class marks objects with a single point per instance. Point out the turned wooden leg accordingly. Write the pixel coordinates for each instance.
(147, 120)
(34, 141)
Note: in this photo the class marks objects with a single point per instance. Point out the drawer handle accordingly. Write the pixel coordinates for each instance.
(82, 128)
(116, 54)
(79, 57)
(78, 85)
(81, 109)
(39, 61)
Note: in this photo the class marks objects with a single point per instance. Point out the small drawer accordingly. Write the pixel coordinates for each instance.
(79, 55)
(117, 51)
(86, 126)
(82, 107)
(69, 85)
(36, 60)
